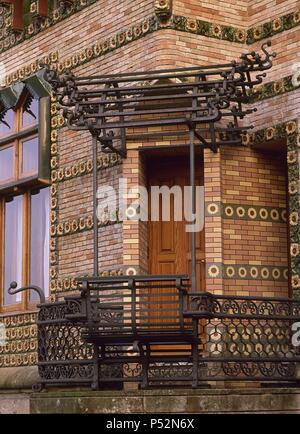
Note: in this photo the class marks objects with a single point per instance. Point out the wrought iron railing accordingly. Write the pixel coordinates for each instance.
(246, 338)
(152, 331)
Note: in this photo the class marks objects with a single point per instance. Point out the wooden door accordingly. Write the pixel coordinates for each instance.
(169, 243)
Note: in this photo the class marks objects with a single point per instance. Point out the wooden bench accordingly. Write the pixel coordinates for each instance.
(136, 314)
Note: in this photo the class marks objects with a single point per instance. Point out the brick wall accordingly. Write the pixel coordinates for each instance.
(265, 10)
(231, 12)
(243, 14)
(254, 196)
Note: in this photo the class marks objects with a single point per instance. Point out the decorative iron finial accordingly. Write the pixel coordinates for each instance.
(113, 107)
(12, 290)
(255, 62)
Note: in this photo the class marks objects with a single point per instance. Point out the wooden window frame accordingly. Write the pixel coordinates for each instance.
(20, 160)
(16, 138)
(21, 186)
(13, 146)
(37, 129)
(25, 304)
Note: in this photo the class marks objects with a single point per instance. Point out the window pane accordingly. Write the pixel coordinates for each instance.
(30, 112)
(7, 123)
(6, 164)
(39, 242)
(30, 156)
(13, 247)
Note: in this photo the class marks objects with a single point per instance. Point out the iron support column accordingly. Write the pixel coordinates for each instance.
(95, 217)
(193, 204)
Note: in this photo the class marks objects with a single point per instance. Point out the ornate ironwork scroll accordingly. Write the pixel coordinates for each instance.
(63, 356)
(208, 99)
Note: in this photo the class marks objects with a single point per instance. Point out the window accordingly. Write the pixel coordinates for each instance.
(25, 241)
(19, 142)
(24, 202)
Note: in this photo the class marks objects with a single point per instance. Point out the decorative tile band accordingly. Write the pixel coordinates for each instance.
(66, 284)
(235, 34)
(81, 168)
(20, 339)
(81, 224)
(208, 29)
(20, 359)
(288, 129)
(31, 68)
(274, 27)
(54, 203)
(256, 213)
(294, 209)
(275, 88)
(246, 212)
(21, 336)
(247, 272)
(24, 319)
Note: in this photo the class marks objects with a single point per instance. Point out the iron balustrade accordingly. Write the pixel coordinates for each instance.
(153, 331)
(246, 338)
(134, 315)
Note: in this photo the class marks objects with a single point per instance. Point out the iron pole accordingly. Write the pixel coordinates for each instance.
(95, 217)
(193, 204)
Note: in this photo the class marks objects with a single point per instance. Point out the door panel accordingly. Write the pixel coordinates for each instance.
(169, 243)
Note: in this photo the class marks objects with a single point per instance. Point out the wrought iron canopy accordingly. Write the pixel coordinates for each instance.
(209, 100)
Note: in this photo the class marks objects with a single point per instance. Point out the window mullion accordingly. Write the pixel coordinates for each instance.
(16, 159)
(17, 142)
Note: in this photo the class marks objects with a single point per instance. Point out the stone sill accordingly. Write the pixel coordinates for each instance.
(19, 378)
(80, 393)
(273, 400)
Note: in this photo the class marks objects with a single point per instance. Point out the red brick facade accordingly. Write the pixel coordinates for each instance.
(250, 210)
